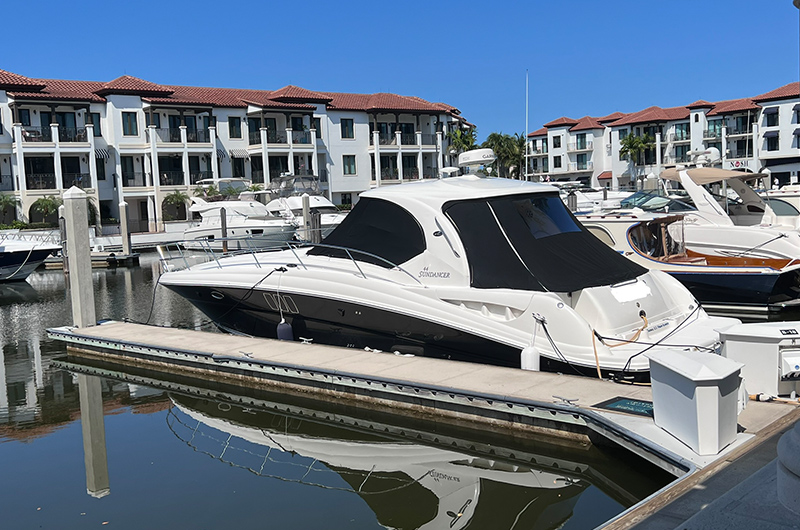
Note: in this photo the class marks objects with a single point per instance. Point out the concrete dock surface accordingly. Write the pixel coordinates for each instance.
(734, 489)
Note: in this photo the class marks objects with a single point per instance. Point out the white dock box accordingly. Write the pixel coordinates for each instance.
(695, 398)
(770, 352)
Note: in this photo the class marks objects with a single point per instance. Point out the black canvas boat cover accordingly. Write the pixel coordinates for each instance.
(533, 242)
(378, 227)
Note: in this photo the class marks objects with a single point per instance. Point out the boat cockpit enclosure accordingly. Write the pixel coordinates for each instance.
(527, 241)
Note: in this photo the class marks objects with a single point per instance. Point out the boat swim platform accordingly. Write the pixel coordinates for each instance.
(510, 400)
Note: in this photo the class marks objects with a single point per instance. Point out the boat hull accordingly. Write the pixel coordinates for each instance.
(19, 264)
(741, 289)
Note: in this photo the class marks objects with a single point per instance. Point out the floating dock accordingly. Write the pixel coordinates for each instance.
(100, 260)
(504, 399)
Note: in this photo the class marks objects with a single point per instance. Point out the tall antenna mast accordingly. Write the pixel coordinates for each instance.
(526, 123)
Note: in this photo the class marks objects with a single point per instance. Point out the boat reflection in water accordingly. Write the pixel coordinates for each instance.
(405, 483)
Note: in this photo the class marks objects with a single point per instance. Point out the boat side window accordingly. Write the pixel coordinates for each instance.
(781, 207)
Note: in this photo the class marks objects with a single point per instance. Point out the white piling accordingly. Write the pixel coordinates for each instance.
(124, 232)
(306, 217)
(94, 435)
(79, 257)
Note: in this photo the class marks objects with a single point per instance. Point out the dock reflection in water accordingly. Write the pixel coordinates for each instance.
(200, 457)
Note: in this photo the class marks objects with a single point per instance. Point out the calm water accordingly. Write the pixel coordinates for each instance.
(199, 456)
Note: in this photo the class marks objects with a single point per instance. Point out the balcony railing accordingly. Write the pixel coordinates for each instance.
(81, 180)
(254, 138)
(740, 154)
(133, 179)
(301, 137)
(198, 136)
(72, 134)
(739, 130)
(410, 173)
(712, 133)
(197, 176)
(275, 173)
(580, 146)
(539, 151)
(171, 135)
(41, 181)
(408, 139)
(387, 139)
(6, 183)
(389, 173)
(257, 176)
(428, 139)
(580, 166)
(171, 178)
(37, 134)
(431, 172)
(680, 137)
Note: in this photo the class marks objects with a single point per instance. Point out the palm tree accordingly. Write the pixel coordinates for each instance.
(462, 140)
(515, 152)
(174, 205)
(7, 202)
(498, 142)
(632, 147)
(48, 207)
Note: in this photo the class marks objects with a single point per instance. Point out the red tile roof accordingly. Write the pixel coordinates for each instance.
(699, 104)
(63, 90)
(127, 84)
(10, 80)
(605, 175)
(561, 122)
(587, 123)
(731, 106)
(539, 132)
(792, 90)
(654, 114)
(295, 93)
(612, 117)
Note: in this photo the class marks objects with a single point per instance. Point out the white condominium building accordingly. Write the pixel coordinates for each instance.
(756, 134)
(136, 141)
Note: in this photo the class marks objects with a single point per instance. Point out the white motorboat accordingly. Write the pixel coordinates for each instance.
(740, 283)
(581, 198)
(248, 224)
(291, 208)
(19, 258)
(747, 227)
(470, 268)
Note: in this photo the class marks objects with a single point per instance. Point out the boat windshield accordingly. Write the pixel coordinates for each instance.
(532, 242)
(654, 201)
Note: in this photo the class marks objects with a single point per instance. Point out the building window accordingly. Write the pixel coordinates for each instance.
(545, 165)
(534, 143)
(580, 141)
(556, 143)
(100, 163)
(234, 127)
(24, 117)
(237, 166)
(556, 161)
(349, 164)
(347, 128)
(682, 131)
(681, 153)
(155, 117)
(94, 119)
(772, 119)
(772, 143)
(297, 123)
(544, 145)
(318, 127)
(535, 164)
(347, 198)
(130, 127)
(582, 164)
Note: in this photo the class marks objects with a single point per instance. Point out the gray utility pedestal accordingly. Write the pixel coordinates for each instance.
(695, 398)
(770, 352)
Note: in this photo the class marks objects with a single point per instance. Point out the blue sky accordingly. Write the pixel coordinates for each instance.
(584, 57)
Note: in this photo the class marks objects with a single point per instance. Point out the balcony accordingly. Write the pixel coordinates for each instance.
(734, 155)
(198, 136)
(384, 139)
(37, 134)
(81, 180)
(710, 134)
(171, 135)
(410, 173)
(408, 139)
(323, 175)
(257, 176)
(682, 136)
(429, 139)
(41, 181)
(431, 172)
(580, 166)
(171, 178)
(539, 151)
(135, 179)
(739, 129)
(6, 183)
(72, 134)
(579, 146)
(301, 137)
(274, 137)
(197, 176)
